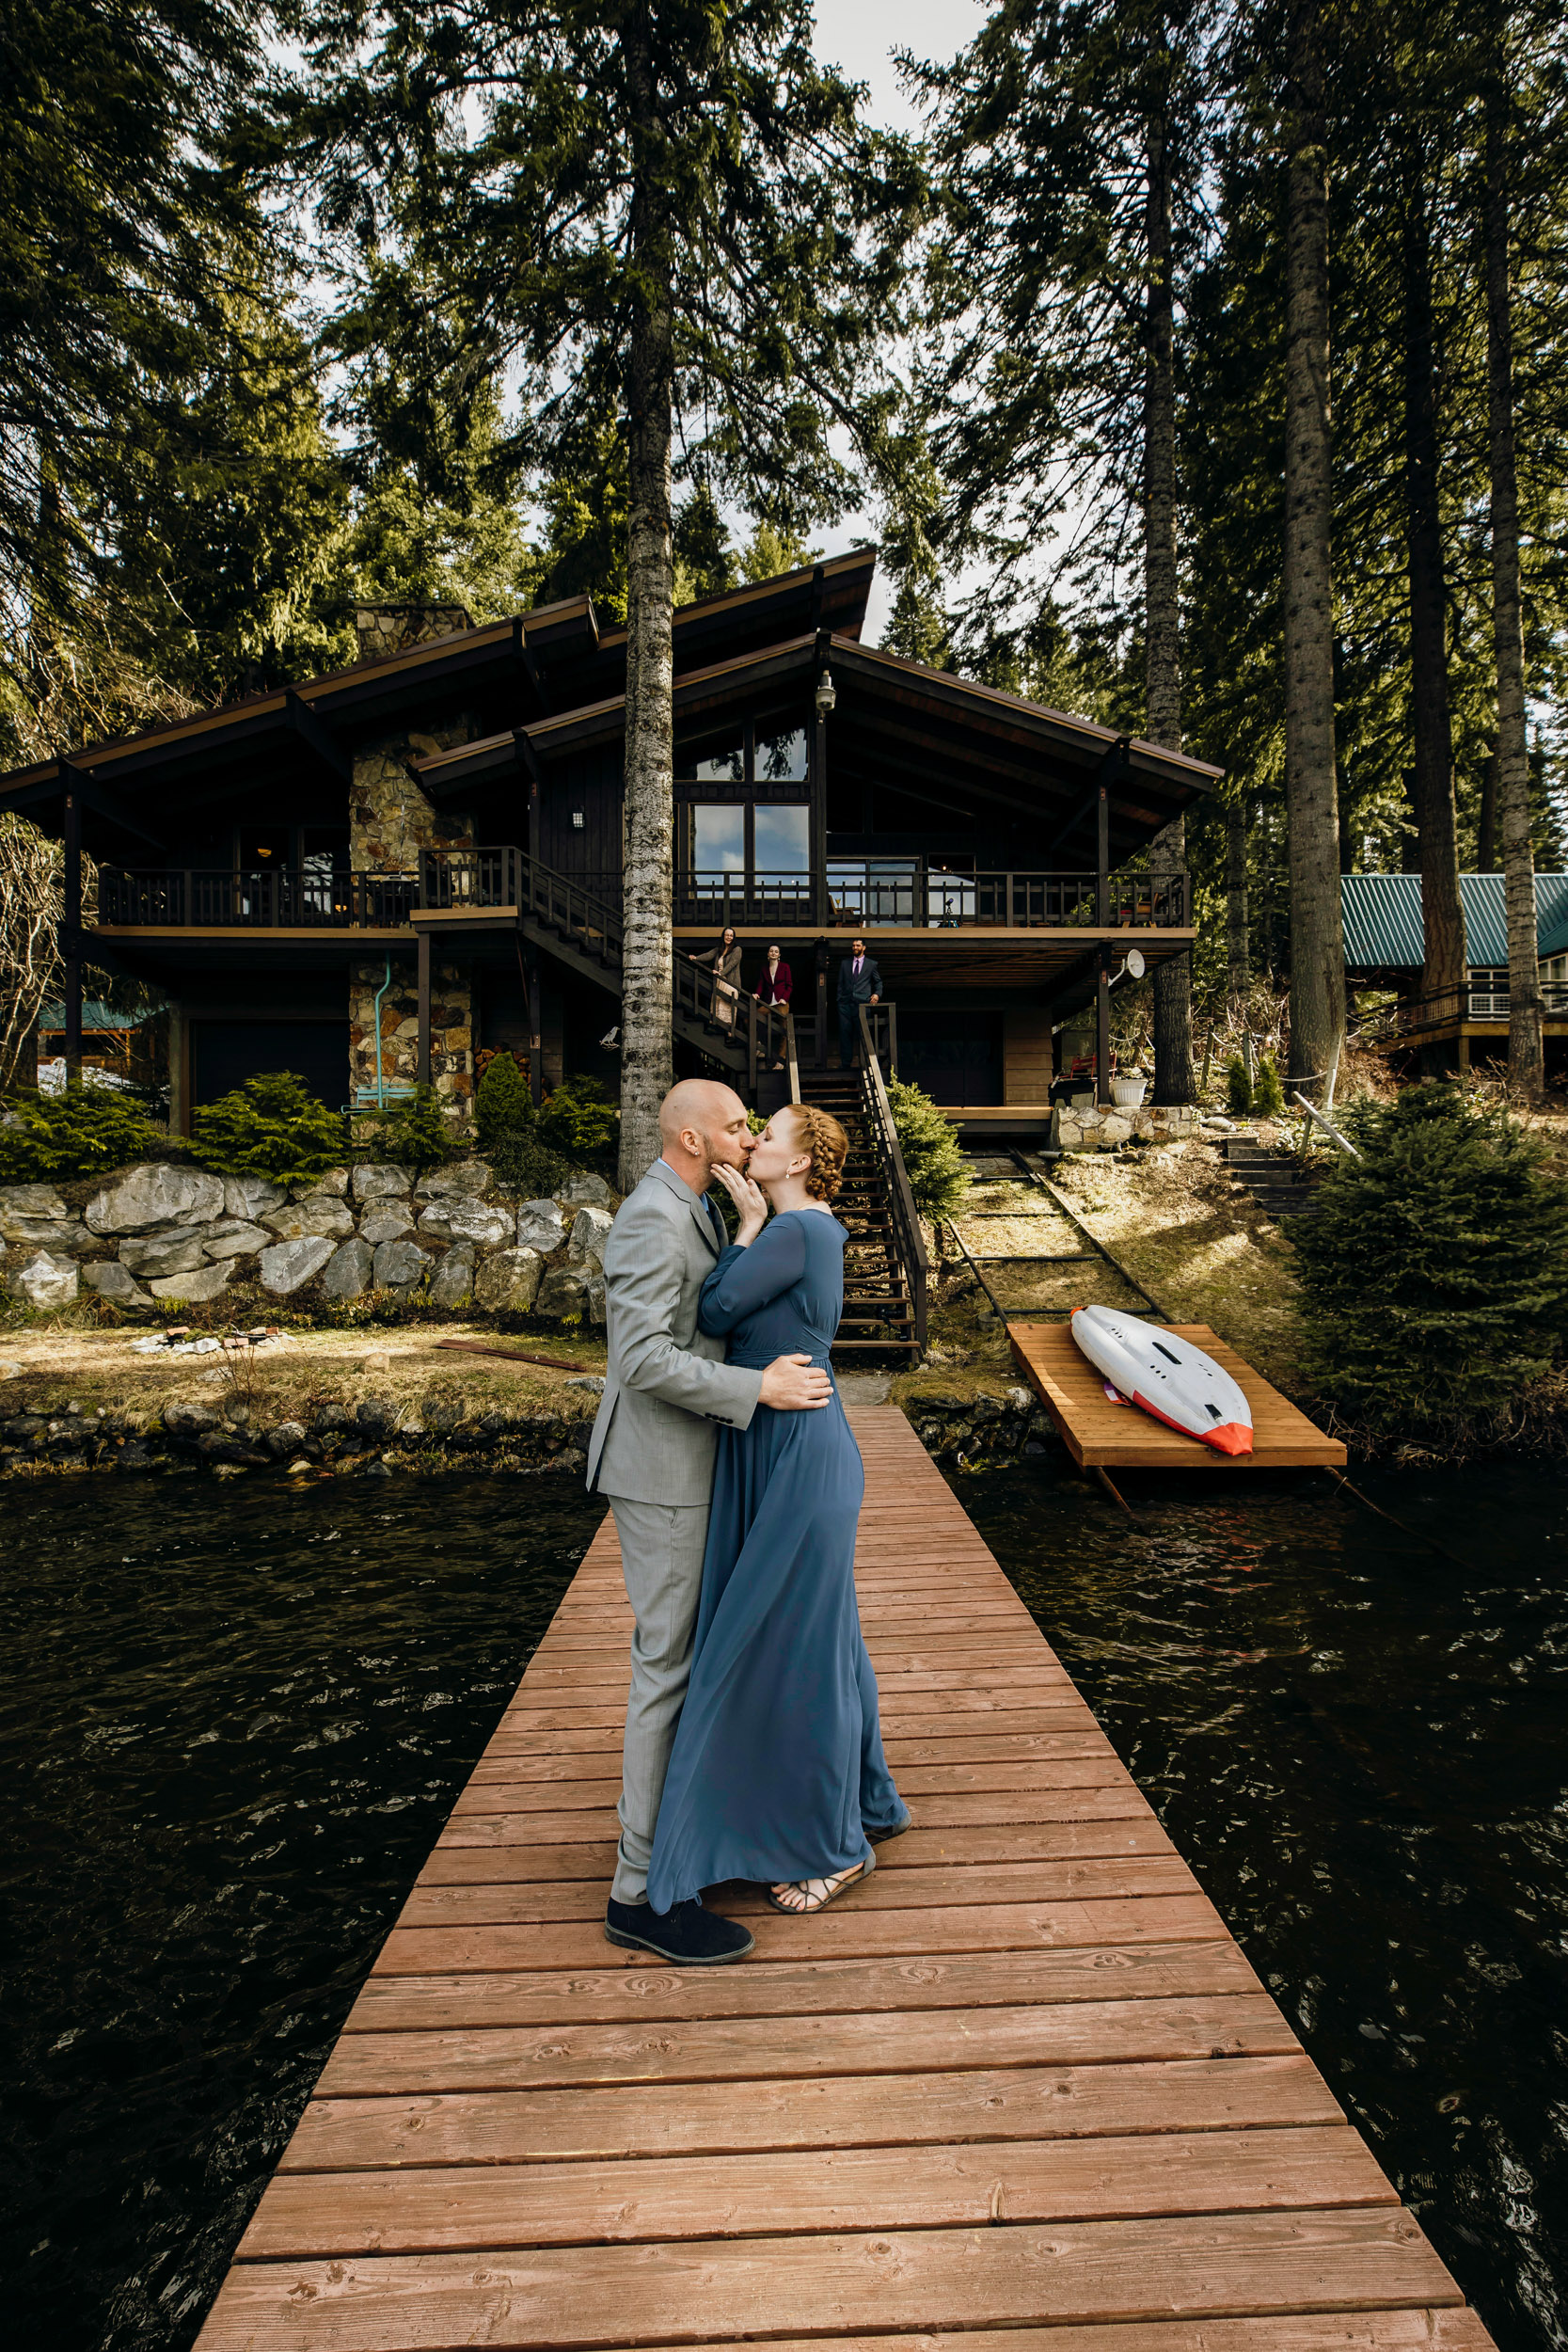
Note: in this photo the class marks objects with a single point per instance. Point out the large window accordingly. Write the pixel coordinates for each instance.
(782, 839)
(718, 837)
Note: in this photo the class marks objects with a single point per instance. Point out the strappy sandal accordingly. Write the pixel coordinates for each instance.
(839, 1883)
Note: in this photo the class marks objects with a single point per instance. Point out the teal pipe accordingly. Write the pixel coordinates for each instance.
(380, 1089)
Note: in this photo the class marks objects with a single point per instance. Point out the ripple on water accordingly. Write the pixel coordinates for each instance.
(232, 1724)
(1363, 1753)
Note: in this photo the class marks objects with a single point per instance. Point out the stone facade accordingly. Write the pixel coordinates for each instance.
(389, 628)
(452, 1029)
(1082, 1127)
(158, 1237)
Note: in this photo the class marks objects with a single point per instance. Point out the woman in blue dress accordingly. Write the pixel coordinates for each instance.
(778, 1773)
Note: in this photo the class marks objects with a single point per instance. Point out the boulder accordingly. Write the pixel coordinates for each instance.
(348, 1270)
(204, 1283)
(377, 1416)
(388, 1220)
(318, 1213)
(287, 1438)
(398, 1265)
(246, 1199)
(45, 1282)
(452, 1283)
(332, 1182)
(110, 1280)
(563, 1293)
(509, 1281)
(63, 1233)
(474, 1177)
(586, 1188)
(541, 1225)
(230, 1237)
(380, 1180)
(460, 1216)
(19, 1200)
(176, 1251)
(288, 1264)
(188, 1421)
(589, 1232)
(597, 1312)
(155, 1195)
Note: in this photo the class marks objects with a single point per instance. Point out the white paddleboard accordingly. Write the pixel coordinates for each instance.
(1167, 1376)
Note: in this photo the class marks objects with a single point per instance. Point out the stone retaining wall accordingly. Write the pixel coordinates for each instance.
(1082, 1127)
(158, 1237)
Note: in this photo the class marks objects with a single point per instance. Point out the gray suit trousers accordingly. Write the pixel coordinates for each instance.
(661, 1559)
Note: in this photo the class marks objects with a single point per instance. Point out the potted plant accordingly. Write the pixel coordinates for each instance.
(1127, 1094)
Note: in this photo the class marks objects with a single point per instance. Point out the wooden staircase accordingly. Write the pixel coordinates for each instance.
(1278, 1185)
(884, 1305)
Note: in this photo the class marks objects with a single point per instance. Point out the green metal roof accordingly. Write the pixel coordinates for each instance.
(1382, 919)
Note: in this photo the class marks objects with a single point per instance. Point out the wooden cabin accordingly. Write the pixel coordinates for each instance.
(374, 876)
(1385, 947)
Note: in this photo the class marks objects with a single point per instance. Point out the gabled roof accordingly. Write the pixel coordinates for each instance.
(1384, 930)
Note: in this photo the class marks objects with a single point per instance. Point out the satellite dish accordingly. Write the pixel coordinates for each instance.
(1134, 963)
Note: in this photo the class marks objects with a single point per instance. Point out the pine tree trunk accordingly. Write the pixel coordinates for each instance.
(1173, 980)
(1526, 1055)
(647, 892)
(1311, 784)
(1238, 946)
(1436, 827)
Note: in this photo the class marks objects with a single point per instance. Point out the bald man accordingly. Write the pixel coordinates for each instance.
(666, 1390)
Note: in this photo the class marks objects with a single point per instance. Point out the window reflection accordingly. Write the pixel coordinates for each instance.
(718, 840)
(781, 757)
(725, 764)
(782, 841)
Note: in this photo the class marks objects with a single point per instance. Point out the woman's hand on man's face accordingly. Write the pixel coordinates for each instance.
(748, 1199)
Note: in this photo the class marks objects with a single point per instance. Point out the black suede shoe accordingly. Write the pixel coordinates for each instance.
(686, 1935)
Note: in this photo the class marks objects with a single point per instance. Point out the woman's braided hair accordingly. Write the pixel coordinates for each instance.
(825, 1139)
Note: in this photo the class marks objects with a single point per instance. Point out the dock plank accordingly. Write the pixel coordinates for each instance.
(1024, 2081)
(1100, 1433)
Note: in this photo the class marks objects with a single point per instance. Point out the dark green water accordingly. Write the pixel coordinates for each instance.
(1362, 1750)
(235, 1716)
(232, 1721)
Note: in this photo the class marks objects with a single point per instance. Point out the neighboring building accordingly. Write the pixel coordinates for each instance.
(1384, 948)
(376, 875)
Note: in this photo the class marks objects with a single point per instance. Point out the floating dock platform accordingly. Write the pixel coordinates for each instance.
(1101, 1435)
(1024, 2080)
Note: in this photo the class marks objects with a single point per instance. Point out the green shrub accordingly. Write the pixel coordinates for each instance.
(1238, 1088)
(503, 1104)
(271, 1126)
(577, 1121)
(1436, 1275)
(411, 1130)
(1268, 1094)
(938, 1176)
(77, 1133)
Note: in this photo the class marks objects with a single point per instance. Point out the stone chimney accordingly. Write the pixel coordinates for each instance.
(387, 629)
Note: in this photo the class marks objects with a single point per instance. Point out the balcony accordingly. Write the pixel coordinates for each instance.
(862, 894)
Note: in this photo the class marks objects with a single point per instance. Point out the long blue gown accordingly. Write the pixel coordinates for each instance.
(777, 1770)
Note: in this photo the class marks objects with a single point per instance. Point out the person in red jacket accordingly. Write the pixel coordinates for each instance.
(776, 986)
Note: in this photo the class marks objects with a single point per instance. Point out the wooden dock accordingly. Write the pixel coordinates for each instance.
(1102, 1435)
(1023, 2080)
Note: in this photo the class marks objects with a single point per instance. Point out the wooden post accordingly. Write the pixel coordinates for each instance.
(71, 937)
(536, 1034)
(819, 819)
(1102, 856)
(422, 1068)
(1102, 1030)
(891, 1012)
(751, 1047)
(821, 1004)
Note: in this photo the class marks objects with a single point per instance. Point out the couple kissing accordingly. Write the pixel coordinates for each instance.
(753, 1747)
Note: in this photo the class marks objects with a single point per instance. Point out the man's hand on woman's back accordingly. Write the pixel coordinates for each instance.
(793, 1383)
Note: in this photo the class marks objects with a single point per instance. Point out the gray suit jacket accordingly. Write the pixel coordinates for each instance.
(668, 1387)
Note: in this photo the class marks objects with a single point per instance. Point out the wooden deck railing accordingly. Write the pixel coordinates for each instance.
(908, 1242)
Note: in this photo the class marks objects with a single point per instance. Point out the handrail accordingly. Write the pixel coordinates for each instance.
(791, 1056)
(885, 1137)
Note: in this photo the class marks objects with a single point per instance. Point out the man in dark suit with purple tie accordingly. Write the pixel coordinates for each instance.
(859, 984)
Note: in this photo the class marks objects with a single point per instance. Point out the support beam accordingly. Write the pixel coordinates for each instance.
(819, 804)
(1102, 857)
(421, 1072)
(321, 743)
(101, 799)
(821, 1004)
(535, 1031)
(1102, 1028)
(71, 928)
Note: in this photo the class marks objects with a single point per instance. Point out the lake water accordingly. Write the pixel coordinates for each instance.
(233, 1720)
(1361, 1748)
(235, 1716)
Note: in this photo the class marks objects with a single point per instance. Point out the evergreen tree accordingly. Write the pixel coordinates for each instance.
(650, 210)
